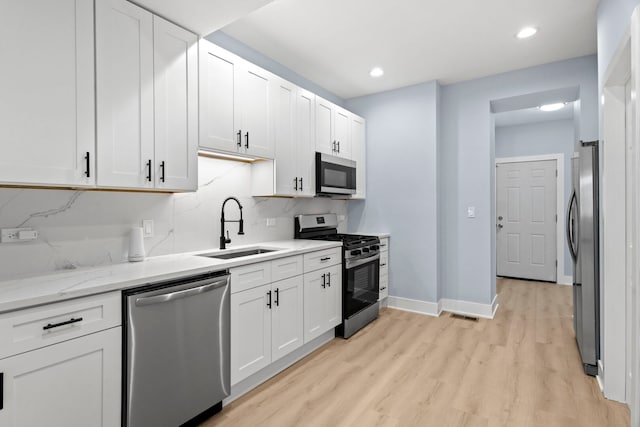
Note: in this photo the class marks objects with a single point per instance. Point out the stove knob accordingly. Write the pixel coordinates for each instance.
(365, 250)
(375, 247)
(355, 253)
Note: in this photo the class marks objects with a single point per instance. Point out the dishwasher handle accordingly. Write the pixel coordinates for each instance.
(172, 296)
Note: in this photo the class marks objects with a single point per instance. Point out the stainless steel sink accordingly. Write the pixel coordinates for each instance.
(239, 254)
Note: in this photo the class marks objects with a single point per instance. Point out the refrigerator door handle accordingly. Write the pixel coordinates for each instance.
(569, 227)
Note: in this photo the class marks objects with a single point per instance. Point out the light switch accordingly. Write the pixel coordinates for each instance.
(471, 212)
(271, 222)
(147, 227)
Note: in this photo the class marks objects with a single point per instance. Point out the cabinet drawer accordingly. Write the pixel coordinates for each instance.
(384, 244)
(321, 259)
(250, 276)
(38, 327)
(284, 268)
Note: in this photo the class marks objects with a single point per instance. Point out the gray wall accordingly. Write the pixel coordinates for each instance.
(614, 18)
(402, 194)
(468, 267)
(242, 50)
(532, 139)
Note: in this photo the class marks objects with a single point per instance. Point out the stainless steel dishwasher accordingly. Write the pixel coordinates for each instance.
(177, 350)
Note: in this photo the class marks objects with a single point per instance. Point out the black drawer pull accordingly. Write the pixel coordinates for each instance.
(325, 259)
(383, 288)
(88, 159)
(269, 300)
(67, 322)
(382, 265)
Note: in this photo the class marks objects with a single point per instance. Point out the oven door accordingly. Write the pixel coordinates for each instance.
(335, 175)
(361, 283)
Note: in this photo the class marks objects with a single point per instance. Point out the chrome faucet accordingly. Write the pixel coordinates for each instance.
(225, 240)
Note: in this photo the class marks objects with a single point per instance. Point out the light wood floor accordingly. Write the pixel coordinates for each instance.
(520, 369)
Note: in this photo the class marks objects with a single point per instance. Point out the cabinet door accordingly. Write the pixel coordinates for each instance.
(287, 332)
(73, 383)
(342, 133)
(124, 61)
(176, 106)
(314, 304)
(325, 126)
(284, 109)
(47, 120)
(305, 142)
(250, 332)
(333, 296)
(219, 109)
(256, 88)
(358, 153)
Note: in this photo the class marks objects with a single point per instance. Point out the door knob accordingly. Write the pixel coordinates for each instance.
(500, 218)
(500, 226)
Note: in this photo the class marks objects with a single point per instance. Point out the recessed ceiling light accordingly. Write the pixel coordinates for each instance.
(376, 72)
(527, 32)
(553, 107)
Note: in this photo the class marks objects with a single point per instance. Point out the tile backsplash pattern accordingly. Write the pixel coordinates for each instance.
(89, 228)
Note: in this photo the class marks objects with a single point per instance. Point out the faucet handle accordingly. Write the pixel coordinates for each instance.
(228, 239)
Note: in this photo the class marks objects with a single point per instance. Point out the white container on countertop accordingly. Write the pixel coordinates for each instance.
(136, 245)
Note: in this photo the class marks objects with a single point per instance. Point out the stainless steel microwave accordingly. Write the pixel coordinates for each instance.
(334, 175)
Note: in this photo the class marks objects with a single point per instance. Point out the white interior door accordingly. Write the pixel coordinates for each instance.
(526, 222)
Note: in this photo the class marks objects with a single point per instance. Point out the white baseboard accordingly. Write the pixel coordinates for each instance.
(468, 308)
(465, 308)
(565, 280)
(414, 306)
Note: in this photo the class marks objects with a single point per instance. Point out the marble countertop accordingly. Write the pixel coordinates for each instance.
(367, 233)
(26, 292)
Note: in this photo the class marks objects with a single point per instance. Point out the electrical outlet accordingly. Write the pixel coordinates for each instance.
(271, 222)
(471, 212)
(14, 235)
(147, 227)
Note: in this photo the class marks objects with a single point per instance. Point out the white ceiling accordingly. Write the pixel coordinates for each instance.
(202, 16)
(532, 115)
(335, 43)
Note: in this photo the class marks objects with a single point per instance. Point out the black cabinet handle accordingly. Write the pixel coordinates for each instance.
(324, 280)
(296, 186)
(277, 297)
(66, 322)
(1, 391)
(338, 146)
(162, 171)
(269, 300)
(87, 158)
(329, 279)
(300, 183)
(383, 288)
(325, 259)
(149, 170)
(382, 265)
(246, 144)
(334, 146)
(240, 138)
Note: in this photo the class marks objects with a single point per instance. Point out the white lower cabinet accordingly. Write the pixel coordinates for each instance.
(72, 383)
(266, 324)
(384, 268)
(322, 301)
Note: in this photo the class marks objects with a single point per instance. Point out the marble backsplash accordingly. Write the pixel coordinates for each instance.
(89, 228)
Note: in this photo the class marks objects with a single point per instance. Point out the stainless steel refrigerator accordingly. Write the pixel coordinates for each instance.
(582, 239)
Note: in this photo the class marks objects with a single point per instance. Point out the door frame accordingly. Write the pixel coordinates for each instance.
(561, 279)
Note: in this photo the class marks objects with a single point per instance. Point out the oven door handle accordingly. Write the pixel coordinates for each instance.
(358, 262)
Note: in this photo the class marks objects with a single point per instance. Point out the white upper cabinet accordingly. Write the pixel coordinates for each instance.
(146, 100)
(358, 153)
(47, 93)
(292, 173)
(333, 129)
(124, 84)
(176, 106)
(236, 100)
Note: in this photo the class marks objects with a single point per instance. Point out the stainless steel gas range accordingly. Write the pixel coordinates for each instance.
(360, 269)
